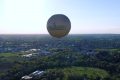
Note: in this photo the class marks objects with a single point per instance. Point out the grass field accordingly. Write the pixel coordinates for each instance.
(90, 73)
(8, 55)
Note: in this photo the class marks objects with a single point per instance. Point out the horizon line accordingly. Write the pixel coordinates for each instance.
(68, 34)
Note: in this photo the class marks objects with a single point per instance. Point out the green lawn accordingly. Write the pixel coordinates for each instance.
(90, 73)
(8, 55)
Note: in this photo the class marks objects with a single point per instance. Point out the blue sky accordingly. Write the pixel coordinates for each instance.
(87, 16)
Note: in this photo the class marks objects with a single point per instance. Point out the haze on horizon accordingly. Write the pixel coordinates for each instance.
(87, 16)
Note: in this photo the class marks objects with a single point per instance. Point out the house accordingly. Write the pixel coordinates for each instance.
(27, 55)
(33, 76)
(37, 74)
(26, 78)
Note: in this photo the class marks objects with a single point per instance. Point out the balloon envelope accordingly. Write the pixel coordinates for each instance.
(58, 25)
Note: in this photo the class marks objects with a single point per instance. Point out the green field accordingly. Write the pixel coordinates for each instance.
(8, 55)
(78, 73)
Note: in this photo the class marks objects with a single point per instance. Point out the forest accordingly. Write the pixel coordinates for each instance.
(76, 57)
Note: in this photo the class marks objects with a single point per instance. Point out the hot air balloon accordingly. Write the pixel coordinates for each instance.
(58, 25)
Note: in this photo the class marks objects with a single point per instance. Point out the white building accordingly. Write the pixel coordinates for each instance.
(33, 76)
(26, 78)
